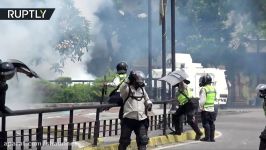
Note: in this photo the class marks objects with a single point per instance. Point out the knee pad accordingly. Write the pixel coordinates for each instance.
(124, 142)
(143, 140)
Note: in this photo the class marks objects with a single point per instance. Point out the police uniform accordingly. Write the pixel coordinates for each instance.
(134, 117)
(118, 79)
(208, 115)
(186, 107)
(261, 89)
(263, 133)
(114, 96)
(121, 75)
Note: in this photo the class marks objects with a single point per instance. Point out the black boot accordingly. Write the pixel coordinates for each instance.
(212, 135)
(198, 135)
(262, 145)
(207, 135)
(178, 126)
(195, 127)
(142, 147)
(177, 131)
(122, 147)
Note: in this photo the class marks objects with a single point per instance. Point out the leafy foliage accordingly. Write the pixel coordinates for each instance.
(205, 32)
(73, 33)
(63, 90)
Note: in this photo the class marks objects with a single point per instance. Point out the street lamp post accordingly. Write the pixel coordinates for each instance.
(163, 92)
(150, 46)
(173, 40)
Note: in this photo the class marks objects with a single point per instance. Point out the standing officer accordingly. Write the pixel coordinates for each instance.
(187, 107)
(261, 89)
(206, 102)
(121, 76)
(134, 116)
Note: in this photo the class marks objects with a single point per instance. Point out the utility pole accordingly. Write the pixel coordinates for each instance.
(163, 92)
(259, 68)
(173, 40)
(150, 46)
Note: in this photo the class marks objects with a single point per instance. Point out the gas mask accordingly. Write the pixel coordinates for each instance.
(139, 85)
(137, 78)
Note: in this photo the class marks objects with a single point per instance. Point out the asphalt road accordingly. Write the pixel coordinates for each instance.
(240, 130)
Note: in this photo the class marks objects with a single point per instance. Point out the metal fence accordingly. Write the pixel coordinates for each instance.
(71, 132)
(36, 137)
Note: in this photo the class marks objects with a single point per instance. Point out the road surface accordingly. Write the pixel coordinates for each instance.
(240, 130)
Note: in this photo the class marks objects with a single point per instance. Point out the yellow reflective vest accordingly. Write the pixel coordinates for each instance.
(210, 96)
(183, 99)
(121, 77)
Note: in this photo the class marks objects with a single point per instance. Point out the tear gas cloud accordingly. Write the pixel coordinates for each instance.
(32, 42)
(118, 33)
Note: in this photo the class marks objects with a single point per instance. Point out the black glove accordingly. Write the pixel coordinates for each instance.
(149, 106)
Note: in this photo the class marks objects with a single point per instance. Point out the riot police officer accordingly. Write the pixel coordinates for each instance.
(134, 116)
(261, 89)
(206, 103)
(121, 76)
(186, 107)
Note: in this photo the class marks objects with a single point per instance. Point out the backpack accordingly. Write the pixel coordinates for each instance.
(115, 90)
(193, 101)
(115, 98)
(121, 111)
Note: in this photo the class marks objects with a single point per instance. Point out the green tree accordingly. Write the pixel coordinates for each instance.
(206, 34)
(216, 33)
(73, 35)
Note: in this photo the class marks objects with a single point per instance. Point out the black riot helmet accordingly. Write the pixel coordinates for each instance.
(7, 71)
(137, 77)
(261, 89)
(121, 68)
(204, 80)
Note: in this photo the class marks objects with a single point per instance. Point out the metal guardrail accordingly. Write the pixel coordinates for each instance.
(72, 131)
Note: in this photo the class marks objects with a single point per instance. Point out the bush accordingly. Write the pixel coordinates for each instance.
(63, 91)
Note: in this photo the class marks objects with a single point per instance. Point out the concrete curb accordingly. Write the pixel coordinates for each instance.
(153, 142)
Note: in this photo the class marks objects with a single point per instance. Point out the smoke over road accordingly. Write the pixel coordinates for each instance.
(33, 42)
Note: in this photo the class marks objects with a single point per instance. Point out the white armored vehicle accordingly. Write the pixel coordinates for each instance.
(195, 71)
